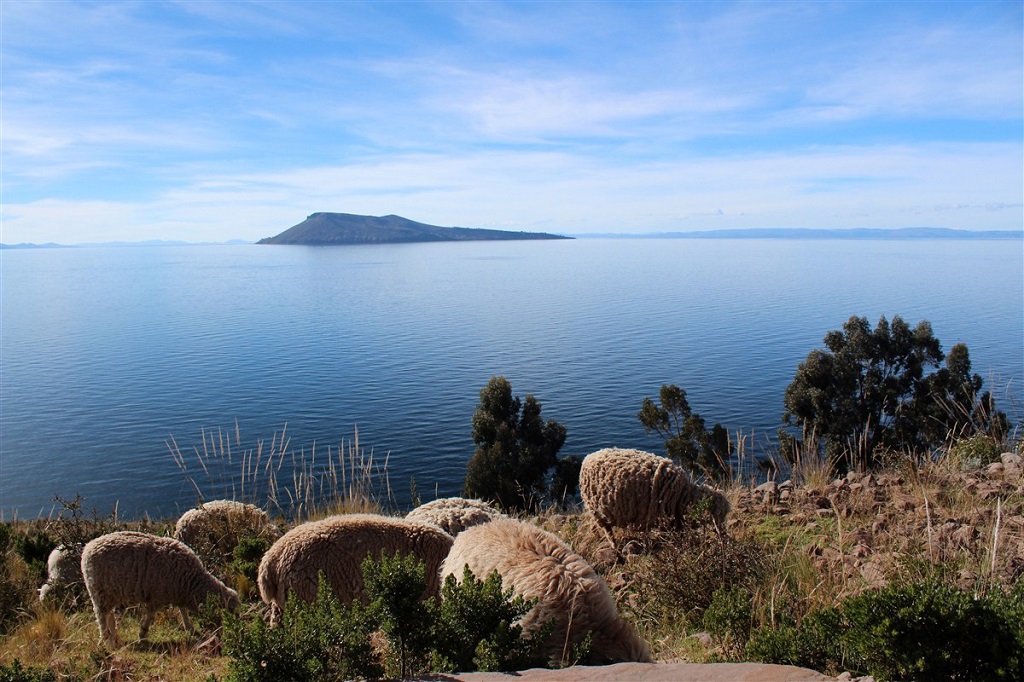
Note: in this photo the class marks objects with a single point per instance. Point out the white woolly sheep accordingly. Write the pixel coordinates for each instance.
(536, 564)
(337, 546)
(631, 488)
(128, 568)
(455, 514)
(214, 528)
(63, 573)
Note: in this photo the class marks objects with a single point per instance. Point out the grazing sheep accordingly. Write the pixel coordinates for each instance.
(337, 546)
(631, 488)
(536, 564)
(455, 514)
(63, 573)
(128, 568)
(214, 528)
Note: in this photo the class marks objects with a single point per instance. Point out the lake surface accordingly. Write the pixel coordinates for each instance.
(108, 353)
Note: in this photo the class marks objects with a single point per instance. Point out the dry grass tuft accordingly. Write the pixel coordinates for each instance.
(298, 486)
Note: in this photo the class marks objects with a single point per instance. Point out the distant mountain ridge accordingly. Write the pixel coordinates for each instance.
(810, 233)
(148, 242)
(325, 229)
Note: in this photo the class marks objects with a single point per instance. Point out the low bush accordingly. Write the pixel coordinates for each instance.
(728, 617)
(475, 627)
(314, 642)
(394, 586)
(17, 586)
(920, 631)
(471, 629)
(815, 644)
(930, 631)
(683, 571)
(246, 558)
(34, 547)
(974, 452)
(15, 672)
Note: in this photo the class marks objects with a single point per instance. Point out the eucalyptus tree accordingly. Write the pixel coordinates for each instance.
(687, 440)
(886, 390)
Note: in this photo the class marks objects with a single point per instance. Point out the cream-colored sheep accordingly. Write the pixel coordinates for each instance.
(455, 514)
(337, 546)
(631, 488)
(536, 564)
(128, 568)
(214, 528)
(63, 573)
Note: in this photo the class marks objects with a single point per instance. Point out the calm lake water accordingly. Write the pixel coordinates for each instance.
(108, 353)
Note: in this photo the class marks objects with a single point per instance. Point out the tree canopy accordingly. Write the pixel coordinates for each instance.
(885, 388)
(687, 440)
(514, 449)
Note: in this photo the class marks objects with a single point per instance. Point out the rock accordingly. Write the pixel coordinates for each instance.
(906, 504)
(1011, 459)
(873, 574)
(705, 639)
(994, 468)
(963, 537)
(653, 672)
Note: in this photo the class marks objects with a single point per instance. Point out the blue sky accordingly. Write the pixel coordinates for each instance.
(208, 121)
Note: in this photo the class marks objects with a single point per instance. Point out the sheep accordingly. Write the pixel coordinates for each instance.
(63, 573)
(127, 568)
(337, 546)
(536, 564)
(631, 488)
(214, 528)
(455, 514)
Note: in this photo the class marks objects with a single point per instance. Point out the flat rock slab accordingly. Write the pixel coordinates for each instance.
(648, 672)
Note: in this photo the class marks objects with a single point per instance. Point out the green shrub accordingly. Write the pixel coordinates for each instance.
(930, 631)
(921, 631)
(394, 586)
(246, 557)
(815, 644)
(315, 642)
(17, 587)
(728, 616)
(34, 548)
(475, 627)
(975, 452)
(16, 673)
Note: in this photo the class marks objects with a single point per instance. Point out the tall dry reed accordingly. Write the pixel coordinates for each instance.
(298, 485)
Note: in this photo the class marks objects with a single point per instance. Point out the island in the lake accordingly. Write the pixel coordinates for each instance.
(327, 229)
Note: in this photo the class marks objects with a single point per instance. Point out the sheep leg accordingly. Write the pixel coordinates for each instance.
(144, 622)
(185, 620)
(108, 630)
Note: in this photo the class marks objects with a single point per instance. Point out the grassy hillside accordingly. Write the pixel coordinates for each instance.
(798, 560)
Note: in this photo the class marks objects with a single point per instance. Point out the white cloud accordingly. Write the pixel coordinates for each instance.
(222, 120)
(561, 192)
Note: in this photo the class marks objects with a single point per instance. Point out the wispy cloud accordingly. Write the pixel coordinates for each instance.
(216, 120)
